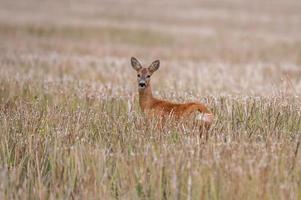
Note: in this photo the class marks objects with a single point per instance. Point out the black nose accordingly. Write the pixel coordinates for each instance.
(142, 84)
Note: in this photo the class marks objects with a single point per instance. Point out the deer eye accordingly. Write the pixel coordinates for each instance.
(138, 75)
(148, 76)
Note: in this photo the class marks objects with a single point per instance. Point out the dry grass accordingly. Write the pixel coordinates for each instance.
(70, 125)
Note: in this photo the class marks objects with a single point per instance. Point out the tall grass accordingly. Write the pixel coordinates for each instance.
(62, 146)
(70, 124)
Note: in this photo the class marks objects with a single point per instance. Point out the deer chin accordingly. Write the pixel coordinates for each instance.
(140, 88)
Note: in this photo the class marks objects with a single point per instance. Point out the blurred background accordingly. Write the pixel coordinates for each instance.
(208, 47)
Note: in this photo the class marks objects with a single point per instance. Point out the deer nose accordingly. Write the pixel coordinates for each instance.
(142, 84)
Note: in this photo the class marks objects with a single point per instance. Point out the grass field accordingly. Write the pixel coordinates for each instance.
(70, 124)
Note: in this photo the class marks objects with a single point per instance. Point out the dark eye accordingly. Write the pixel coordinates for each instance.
(148, 76)
(138, 75)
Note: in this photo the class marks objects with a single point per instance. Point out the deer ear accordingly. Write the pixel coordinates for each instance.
(154, 66)
(135, 64)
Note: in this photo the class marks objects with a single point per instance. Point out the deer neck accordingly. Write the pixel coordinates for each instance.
(146, 98)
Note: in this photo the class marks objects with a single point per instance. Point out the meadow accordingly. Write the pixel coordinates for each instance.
(71, 126)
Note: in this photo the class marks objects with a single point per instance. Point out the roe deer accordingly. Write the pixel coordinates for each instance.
(161, 109)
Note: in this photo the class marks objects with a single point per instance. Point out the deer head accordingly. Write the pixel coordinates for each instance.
(144, 73)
